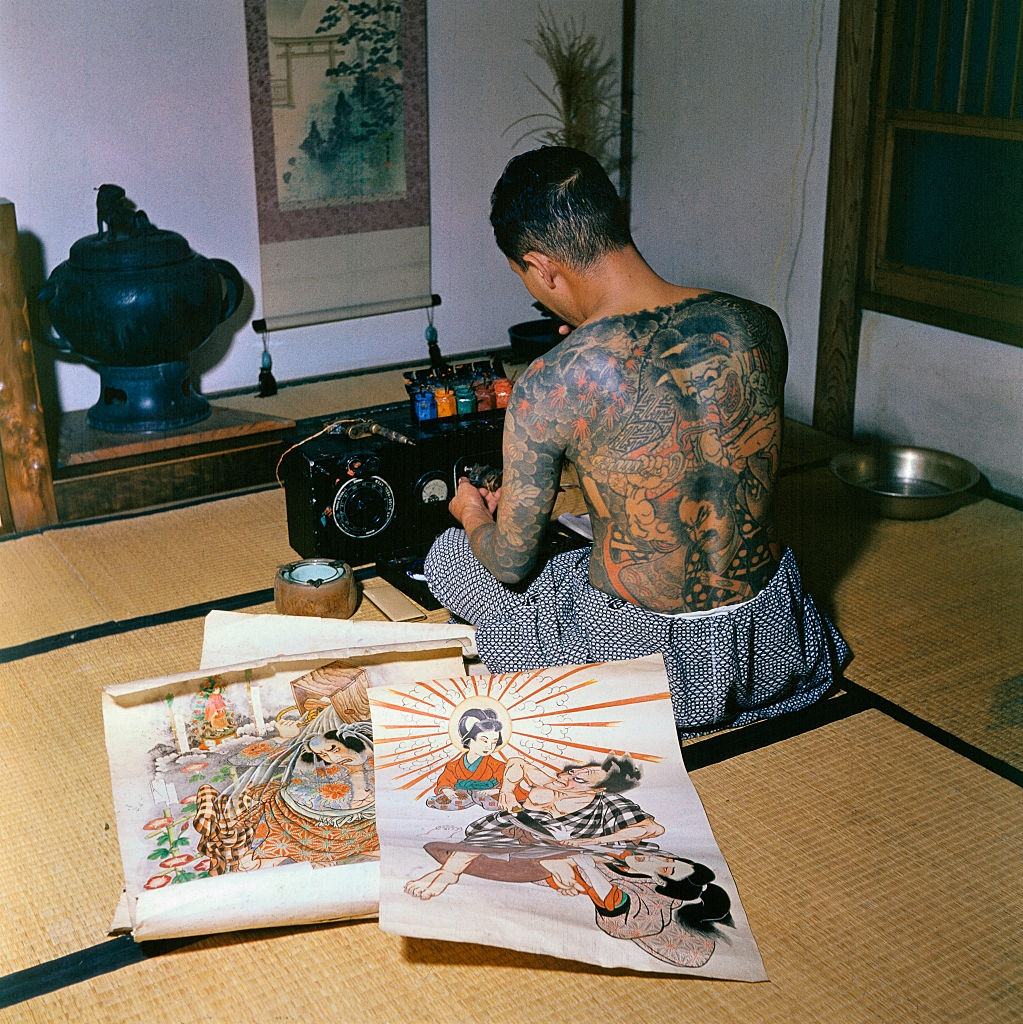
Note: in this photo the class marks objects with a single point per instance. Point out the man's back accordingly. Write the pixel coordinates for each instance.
(672, 418)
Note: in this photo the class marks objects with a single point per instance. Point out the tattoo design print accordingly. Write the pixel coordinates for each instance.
(672, 418)
(565, 778)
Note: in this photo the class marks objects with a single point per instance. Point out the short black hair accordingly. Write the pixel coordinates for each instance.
(558, 201)
(353, 743)
(622, 773)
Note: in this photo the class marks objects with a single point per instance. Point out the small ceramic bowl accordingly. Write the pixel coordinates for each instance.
(904, 482)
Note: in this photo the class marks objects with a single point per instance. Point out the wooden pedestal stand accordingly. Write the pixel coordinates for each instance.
(26, 486)
(99, 473)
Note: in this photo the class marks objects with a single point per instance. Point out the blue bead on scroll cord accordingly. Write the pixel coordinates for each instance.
(321, 587)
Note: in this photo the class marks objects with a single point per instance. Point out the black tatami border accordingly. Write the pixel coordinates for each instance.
(113, 627)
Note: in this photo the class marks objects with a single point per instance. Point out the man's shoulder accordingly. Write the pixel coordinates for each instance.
(584, 349)
(735, 309)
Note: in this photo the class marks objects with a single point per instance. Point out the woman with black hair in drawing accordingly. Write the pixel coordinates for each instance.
(668, 905)
(474, 776)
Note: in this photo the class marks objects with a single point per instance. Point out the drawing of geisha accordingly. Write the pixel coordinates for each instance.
(308, 799)
(475, 776)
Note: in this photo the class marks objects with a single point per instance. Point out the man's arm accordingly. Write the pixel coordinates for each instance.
(533, 454)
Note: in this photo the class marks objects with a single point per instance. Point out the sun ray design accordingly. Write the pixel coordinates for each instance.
(531, 757)
(443, 696)
(624, 702)
(550, 682)
(511, 683)
(417, 755)
(410, 725)
(428, 768)
(411, 711)
(569, 725)
(423, 734)
(419, 778)
(569, 689)
(653, 758)
(411, 696)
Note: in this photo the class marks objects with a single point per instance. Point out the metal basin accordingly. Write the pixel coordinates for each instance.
(905, 482)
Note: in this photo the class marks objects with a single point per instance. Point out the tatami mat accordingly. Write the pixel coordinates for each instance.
(932, 608)
(136, 566)
(872, 864)
(41, 593)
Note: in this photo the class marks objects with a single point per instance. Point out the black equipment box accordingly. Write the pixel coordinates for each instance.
(369, 499)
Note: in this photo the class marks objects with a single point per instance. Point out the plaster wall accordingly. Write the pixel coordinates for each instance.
(733, 115)
(153, 95)
(924, 385)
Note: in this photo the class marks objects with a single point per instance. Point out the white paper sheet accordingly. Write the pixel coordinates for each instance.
(241, 800)
(230, 637)
(491, 833)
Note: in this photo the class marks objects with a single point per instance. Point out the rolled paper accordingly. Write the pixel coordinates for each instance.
(316, 586)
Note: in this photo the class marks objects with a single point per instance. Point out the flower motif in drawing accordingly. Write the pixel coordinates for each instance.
(176, 862)
(157, 823)
(201, 865)
(335, 790)
(158, 882)
(258, 749)
(274, 846)
(542, 716)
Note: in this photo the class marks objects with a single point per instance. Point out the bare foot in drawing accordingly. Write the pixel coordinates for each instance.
(432, 884)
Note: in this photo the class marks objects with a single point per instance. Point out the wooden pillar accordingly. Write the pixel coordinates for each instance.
(26, 483)
(838, 339)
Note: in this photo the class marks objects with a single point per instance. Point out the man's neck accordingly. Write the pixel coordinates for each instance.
(623, 282)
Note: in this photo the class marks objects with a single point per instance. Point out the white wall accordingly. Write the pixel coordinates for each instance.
(927, 386)
(153, 95)
(733, 115)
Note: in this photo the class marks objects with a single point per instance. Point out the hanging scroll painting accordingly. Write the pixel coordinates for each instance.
(340, 143)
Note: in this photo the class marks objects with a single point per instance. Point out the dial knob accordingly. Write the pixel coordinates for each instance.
(363, 506)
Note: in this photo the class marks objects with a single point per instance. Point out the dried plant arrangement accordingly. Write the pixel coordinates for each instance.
(583, 100)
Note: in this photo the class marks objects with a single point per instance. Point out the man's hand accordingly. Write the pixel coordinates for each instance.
(472, 506)
(506, 800)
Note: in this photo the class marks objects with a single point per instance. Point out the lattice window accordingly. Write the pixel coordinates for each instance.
(944, 233)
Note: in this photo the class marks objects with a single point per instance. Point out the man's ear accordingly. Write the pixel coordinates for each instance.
(547, 268)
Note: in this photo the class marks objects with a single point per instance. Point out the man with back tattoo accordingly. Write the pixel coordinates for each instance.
(667, 400)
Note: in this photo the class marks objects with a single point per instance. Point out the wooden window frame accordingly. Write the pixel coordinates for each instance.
(966, 304)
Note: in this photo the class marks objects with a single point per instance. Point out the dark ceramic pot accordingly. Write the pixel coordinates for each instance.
(134, 296)
(534, 337)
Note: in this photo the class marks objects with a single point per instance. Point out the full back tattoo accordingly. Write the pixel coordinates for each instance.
(672, 418)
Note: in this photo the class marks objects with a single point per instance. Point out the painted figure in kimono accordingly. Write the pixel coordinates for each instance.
(475, 776)
(666, 904)
(212, 720)
(349, 748)
(307, 799)
(542, 812)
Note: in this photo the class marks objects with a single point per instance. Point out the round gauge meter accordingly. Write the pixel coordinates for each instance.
(431, 488)
(363, 506)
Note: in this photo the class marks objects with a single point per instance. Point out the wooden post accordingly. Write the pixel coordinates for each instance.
(838, 341)
(26, 483)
